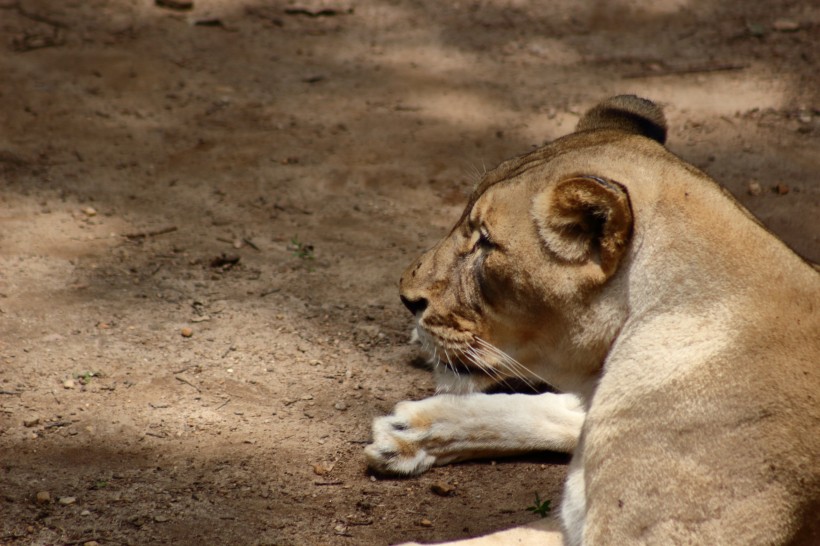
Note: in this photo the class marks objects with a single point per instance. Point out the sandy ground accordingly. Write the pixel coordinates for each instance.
(204, 214)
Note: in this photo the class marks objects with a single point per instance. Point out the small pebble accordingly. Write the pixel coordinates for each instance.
(754, 188)
(786, 25)
(426, 522)
(68, 384)
(67, 500)
(31, 422)
(43, 497)
(91, 543)
(160, 519)
(781, 189)
(85, 513)
(186, 332)
(90, 211)
(442, 489)
(341, 406)
(320, 469)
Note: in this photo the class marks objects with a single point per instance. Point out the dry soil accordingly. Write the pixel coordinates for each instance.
(204, 213)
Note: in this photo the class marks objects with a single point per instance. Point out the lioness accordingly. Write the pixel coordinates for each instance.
(684, 337)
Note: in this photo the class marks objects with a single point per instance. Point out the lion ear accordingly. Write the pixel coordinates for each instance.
(585, 220)
(629, 114)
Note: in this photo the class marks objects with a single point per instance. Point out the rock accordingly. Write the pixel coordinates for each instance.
(67, 500)
(31, 422)
(91, 543)
(786, 25)
(341, 406)
(425, 522)
(320, 469)
(90, 211)
(42, 497)
(160, 518)
(442, 489)
(754, 188)
(186, 332)
(68, 384)
(781, 188)
(85, 513)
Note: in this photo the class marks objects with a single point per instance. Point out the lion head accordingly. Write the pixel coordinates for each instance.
(526, 284)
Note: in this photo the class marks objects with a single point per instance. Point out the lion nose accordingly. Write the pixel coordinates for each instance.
(415, 306)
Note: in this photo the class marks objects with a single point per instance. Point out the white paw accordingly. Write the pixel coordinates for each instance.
(398, 442)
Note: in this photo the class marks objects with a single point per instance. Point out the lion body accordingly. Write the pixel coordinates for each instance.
(685, 336)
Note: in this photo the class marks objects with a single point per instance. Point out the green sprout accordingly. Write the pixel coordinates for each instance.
(85, 377)
(542, 508)
(300, 249)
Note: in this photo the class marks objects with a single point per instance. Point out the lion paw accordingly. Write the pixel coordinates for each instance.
(398, 443)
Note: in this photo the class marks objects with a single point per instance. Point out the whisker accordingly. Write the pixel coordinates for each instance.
(474, 355)
(481, 355)
(450, 363)
(512, 365)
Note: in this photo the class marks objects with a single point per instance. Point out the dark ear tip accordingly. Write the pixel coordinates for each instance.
(627, 113)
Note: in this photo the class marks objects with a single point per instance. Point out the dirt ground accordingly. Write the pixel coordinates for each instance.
(204, 214)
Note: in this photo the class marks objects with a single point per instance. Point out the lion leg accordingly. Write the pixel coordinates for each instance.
(545, 532)
(449, 428)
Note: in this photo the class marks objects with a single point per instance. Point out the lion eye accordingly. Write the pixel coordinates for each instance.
(484, 240)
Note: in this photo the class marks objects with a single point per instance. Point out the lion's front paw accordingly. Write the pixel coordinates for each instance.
(398, 443)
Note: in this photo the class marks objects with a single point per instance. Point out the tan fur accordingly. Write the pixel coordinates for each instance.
(609, 268)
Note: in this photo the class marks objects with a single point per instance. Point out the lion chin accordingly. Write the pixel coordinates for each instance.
(681, 340)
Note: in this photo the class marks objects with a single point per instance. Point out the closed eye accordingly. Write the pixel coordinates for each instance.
(484, 240)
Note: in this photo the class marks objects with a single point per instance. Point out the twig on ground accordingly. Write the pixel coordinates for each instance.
(228, 351)
(679, 70)
(183, 380)
(327, 12)
(83, 541)
(150, 233)
(250, 243)
(59, 424)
